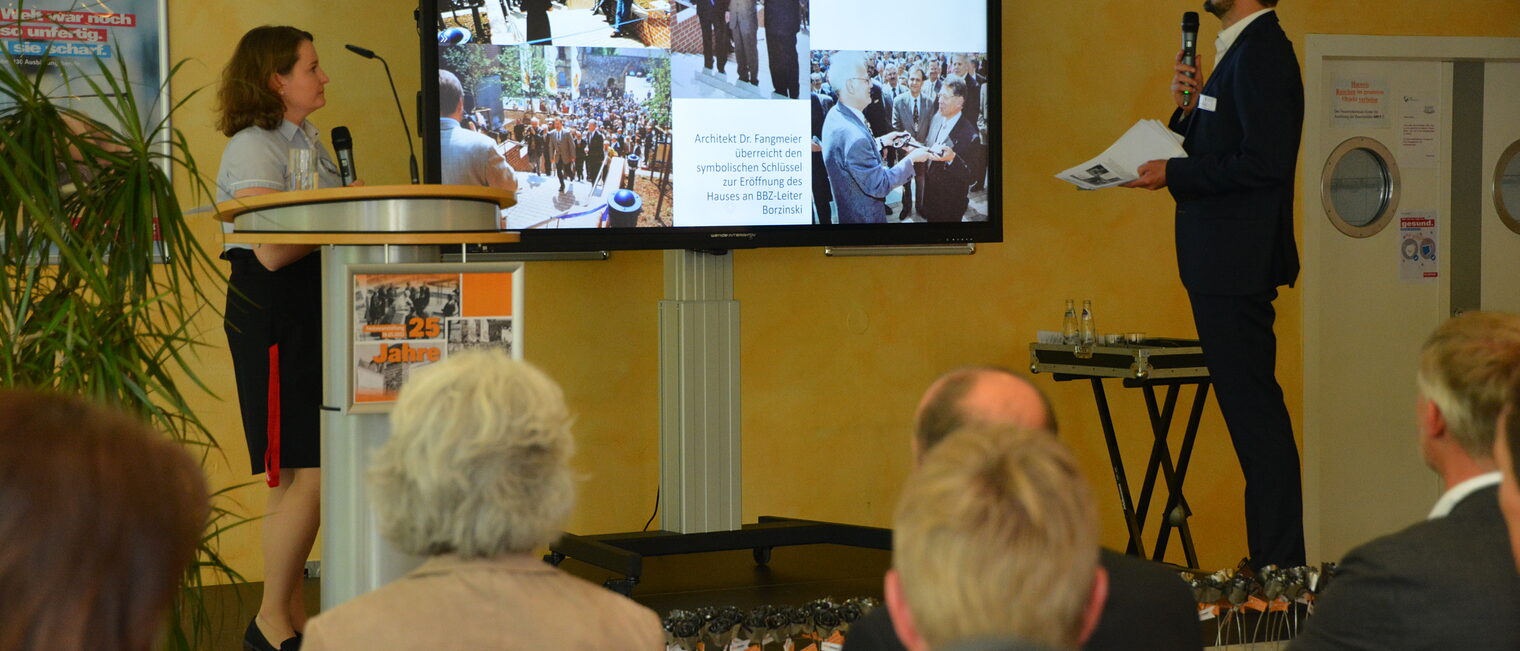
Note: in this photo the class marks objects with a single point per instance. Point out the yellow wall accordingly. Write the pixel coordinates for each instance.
(837, 351)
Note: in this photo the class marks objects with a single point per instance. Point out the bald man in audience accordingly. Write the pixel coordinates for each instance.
(1448, 582)
(1148, 606)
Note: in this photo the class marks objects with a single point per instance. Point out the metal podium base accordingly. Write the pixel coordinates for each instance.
(624, 553)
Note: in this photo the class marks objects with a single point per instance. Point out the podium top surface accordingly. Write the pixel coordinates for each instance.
(231, 209)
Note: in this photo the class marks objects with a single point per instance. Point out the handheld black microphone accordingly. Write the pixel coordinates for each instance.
(1190, 41)
(406, 129)
(343, 147)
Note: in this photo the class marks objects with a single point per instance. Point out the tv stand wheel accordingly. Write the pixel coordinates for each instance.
(762, 555)
(621, 586)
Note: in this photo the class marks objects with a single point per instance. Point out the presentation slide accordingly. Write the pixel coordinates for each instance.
(706, 113)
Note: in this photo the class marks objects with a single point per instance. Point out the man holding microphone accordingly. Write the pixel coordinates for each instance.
(1235, 246)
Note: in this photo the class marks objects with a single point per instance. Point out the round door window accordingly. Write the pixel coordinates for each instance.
(1360, 187)
(1507, 187)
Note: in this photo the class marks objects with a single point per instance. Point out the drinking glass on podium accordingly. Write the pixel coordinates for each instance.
(301, 169)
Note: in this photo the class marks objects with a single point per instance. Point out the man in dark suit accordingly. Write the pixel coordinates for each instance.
(878, 112)
(954, 137)
(822, 198)
(1235, 246)
(1148, 606)
(538, 21)
(1448, 582)
(579, 166)
(911, 112)
(783, 19)
(715, 39)
(596, 150)
(964, 67)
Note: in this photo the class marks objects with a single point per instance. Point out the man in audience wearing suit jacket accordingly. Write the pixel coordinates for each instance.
(1148, 606)
(1448, 582)
(1235, 246)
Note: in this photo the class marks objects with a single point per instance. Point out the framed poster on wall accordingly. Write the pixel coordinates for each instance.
(88, 55)
(76, 37)
(405, 317)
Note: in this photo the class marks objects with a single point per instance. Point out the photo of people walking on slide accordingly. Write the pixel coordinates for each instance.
(740, 49)
(579, 23)
(584, 131)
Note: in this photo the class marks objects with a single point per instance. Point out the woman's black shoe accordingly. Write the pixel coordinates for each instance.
(254, 640)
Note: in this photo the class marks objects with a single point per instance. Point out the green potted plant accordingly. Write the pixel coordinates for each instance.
(102, 276)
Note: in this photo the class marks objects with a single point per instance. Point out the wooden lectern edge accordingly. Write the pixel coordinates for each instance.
(230, 209)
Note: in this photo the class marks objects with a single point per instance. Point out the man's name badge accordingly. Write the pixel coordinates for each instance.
(1207, 103)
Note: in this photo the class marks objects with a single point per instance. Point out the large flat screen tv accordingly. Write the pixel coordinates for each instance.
(719, 124)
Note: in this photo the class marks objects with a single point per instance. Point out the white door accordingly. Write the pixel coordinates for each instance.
(1501, 136)
(1395, 239)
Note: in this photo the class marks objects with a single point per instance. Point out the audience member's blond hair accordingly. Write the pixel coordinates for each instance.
(1466, 368)
(995, 535)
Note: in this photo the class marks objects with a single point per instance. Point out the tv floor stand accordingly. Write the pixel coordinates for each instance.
(624, 553)
(699, 441)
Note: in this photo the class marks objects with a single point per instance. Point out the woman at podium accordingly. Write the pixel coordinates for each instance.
(274, 312)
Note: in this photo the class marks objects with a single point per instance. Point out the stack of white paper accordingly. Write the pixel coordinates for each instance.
(1148, 140)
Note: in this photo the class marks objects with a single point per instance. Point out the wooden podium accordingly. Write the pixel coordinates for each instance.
(368, 225)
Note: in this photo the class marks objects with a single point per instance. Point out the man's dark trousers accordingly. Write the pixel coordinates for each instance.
(1240, 349)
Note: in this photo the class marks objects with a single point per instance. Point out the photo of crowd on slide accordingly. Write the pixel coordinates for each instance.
(465, 334)
(387, 305)
(576, 23)
(740, 49)
(584, 132)
(899, 136)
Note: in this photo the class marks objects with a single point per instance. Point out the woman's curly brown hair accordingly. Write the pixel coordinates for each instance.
(245, 98)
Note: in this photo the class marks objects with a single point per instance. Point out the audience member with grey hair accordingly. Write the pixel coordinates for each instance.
(1455, 568)
(475, 477)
